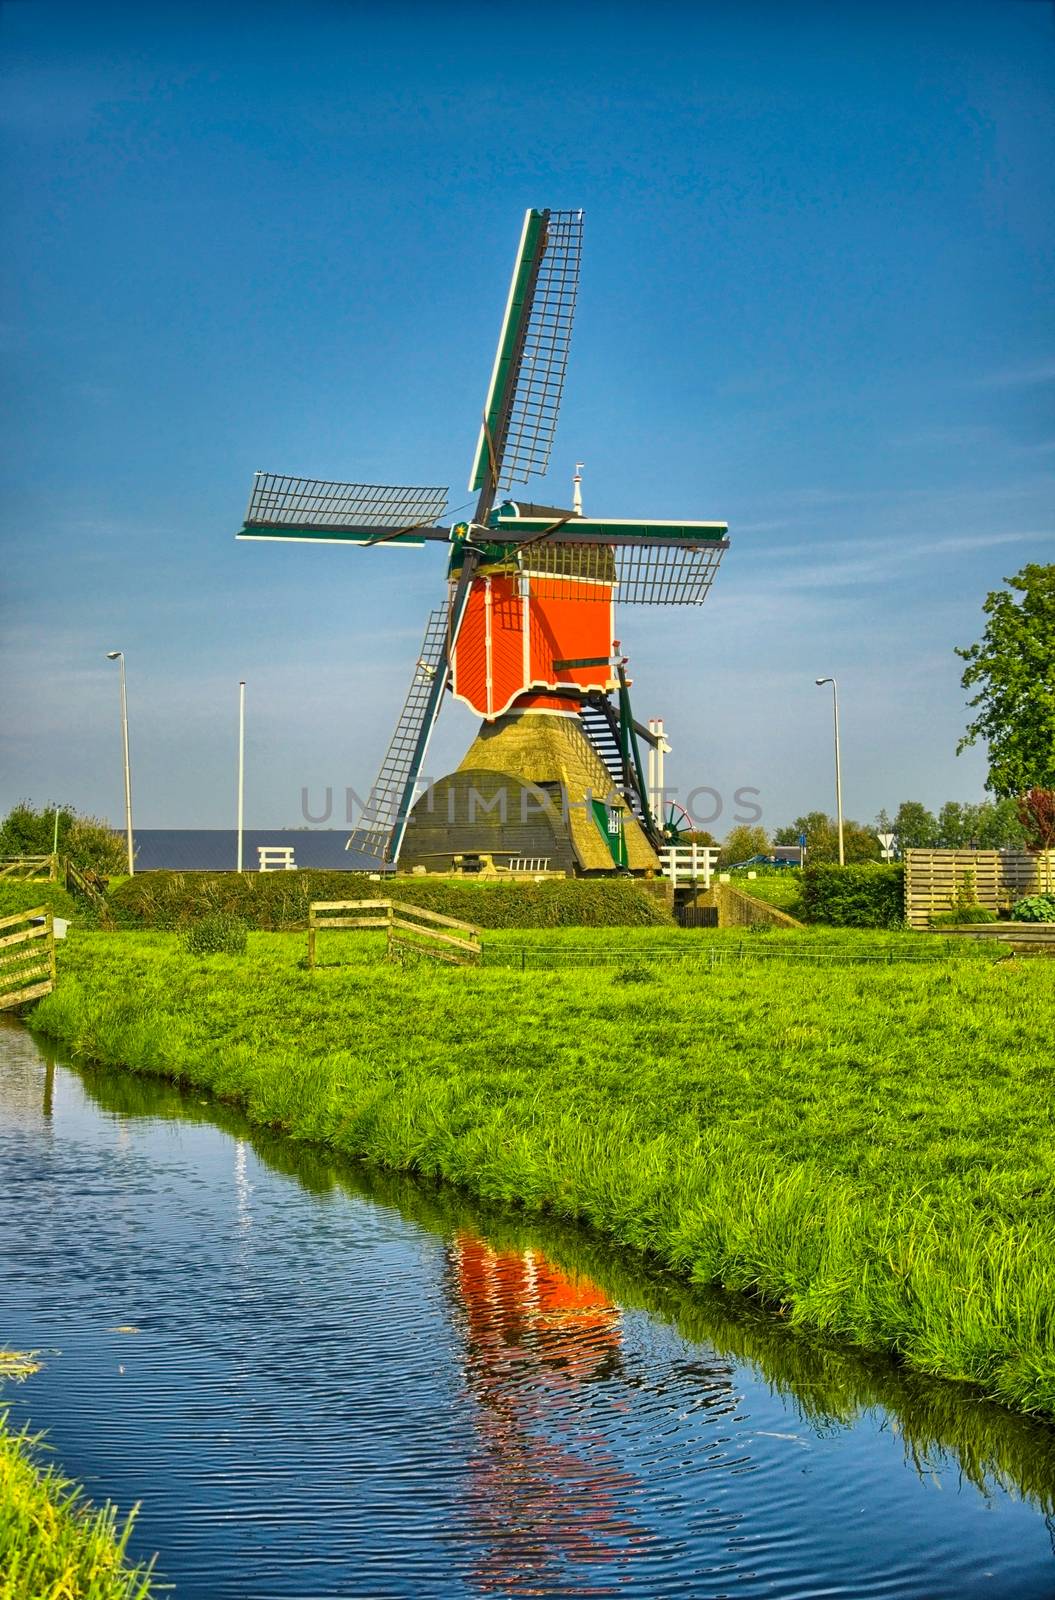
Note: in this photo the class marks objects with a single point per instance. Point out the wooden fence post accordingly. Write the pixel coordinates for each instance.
(49, 923)
(311, 938)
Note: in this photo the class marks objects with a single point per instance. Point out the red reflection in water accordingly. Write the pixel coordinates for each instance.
(535, 1335)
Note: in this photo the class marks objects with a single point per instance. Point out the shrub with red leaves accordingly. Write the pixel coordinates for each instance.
(1036, 812)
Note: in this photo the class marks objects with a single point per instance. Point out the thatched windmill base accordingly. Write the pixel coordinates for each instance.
(530, 788)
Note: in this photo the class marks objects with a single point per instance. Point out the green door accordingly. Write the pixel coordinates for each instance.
(610, 821)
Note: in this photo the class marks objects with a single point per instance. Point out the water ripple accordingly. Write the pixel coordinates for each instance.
(329, 1394)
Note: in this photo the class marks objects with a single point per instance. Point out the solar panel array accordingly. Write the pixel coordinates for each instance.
(647, 574)
(539, 379)
(282, 502)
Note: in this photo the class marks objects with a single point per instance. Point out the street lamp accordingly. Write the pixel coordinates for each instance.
(241, 769)
(838, 763)
(119, 655)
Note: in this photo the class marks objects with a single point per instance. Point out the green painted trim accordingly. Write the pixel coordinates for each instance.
(325, 536)
(518, 311)
(614, 530)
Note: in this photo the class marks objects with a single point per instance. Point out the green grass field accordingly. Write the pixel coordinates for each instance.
(781, 888)
(53, 1546)
(869, 1146)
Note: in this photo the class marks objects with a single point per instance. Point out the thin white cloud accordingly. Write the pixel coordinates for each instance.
(1020, 377)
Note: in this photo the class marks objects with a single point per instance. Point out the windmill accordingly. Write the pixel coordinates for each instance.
(525, 633)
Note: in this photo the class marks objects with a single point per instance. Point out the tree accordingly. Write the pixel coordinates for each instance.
(1036, 810)
(956, 825)
(742, 843)
(998, 825)
(915, 826)
(822, 838)
(1013, 669)
(88, 841)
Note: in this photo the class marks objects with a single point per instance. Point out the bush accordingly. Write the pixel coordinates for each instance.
(273, 900)
(18, 895)
(864, 895)
(88, 841)
(954, 918)
(1036, 812)
(219, 934)
(1035, 908)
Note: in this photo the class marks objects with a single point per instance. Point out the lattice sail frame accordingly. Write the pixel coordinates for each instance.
(647, 574)
(520, 413)
(279, 501)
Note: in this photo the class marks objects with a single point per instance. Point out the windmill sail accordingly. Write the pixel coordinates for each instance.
(406, 750)
(520, 414)
(281, 507)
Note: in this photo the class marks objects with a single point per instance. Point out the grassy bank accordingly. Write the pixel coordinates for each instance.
(869, 1146)
(53, 1546)
(782, 888)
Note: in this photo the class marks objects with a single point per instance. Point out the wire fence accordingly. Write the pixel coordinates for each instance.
(746, 952)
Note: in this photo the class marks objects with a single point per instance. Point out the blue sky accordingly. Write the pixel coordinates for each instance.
(817, 302)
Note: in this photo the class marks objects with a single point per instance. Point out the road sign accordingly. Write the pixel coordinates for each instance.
(886, 840)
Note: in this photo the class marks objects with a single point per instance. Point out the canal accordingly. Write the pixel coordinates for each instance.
(321, 1382)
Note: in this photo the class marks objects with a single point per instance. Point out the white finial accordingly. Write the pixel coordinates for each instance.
(576, 494)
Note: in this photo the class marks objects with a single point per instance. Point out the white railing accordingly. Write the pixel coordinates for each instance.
(689, 863)
(276, 858)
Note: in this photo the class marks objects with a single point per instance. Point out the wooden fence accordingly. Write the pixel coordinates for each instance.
(31, 869)
(27, 957)
(57, 869)
(689, 863)
(933, 878)
(408, 927)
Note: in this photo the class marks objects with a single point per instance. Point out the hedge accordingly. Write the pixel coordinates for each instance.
(865, 895)
(273, 900)
(20, 894)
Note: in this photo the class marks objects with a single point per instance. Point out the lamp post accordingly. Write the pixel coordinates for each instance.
(119, 655)
(838, 764)
(241, 768)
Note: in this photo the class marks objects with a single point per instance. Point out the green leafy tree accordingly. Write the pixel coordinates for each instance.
(998, 825)
(956, 825)
(88, 841)
(915, 826)
(1012, 667)
(822, 838)
(741, 843)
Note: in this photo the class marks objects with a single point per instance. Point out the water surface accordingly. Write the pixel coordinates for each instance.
(347, 1385)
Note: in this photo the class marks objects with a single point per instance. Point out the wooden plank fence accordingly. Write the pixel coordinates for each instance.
(27, 957)
(934, 877)
(30, 869)
(408, 927)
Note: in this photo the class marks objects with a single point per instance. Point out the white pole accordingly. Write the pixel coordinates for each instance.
(651, 779)
(662, 750)
(576, 490)
(838, 764)
(119, 655)
(241, 768)
(838, 774)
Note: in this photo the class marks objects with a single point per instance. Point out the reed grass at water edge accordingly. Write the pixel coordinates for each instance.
(868, 1148)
